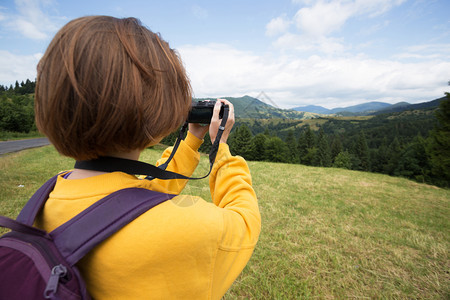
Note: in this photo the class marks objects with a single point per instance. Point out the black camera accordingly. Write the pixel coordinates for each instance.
(202, 111)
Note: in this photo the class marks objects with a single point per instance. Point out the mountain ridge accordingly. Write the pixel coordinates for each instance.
(366, 107)
(247, 107)
(371, 108)
(250, 107)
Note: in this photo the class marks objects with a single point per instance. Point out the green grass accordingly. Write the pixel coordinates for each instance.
(9, 135)
(326, 233)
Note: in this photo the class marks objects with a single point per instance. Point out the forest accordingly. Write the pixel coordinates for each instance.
(17, 107)
(414, 144)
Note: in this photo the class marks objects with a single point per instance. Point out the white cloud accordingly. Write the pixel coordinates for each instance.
(214, 68)
(317, 24)
(2, 15)
(277, 26)
(426, 52)
(29, 30)
(305, 43)
(17, 67)
(32, 21)
(221, 70)
(321, 18)
(374, 8)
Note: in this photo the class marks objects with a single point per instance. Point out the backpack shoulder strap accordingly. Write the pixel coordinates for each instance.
(78, 236)
(31, 209)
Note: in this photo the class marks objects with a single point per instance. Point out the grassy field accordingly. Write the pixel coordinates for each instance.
(327, 233)
(7, 135)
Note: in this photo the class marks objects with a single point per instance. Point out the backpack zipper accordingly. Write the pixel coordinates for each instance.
(58, 272)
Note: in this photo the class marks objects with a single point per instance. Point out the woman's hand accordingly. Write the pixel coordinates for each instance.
(198, 130)
(215, 121)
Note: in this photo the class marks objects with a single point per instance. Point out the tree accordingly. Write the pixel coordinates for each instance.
(275, 150)
(394, 156)
(292, 147)
(258, 147)
(414, 161)
(336, 147)
(302, 147)
(343, 160)
(439, 148)
(323, 155)
(310, 157)
(362, 152)
(380, 158)
(310, 138)
(306, 147)
(15, 117)
(206, 145)
(241, 142)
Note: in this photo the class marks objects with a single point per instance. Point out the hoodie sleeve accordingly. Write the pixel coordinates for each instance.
(184, 162)
(231, 189)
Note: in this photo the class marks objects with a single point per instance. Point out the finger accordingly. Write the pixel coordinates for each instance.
(230, 106)
(230, 109)
(216, 110)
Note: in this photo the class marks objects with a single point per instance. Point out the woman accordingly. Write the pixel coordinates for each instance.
(111, 87)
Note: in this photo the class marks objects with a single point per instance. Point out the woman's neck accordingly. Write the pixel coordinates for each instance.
(81, 174)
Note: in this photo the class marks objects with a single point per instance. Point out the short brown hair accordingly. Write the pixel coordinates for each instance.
(108, 85)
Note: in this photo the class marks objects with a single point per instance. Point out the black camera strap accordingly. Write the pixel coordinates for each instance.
(134, 167)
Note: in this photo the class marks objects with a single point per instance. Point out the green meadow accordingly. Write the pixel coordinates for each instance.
(326, 233)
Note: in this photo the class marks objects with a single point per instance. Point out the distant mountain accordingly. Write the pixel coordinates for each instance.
(361, 109)
(247, 107)
(404, 106)
(314, 109)
(252, 108)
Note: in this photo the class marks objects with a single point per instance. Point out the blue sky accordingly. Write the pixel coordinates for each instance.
(299, 52)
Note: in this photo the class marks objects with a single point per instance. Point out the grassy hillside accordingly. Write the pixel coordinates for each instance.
(327, 233)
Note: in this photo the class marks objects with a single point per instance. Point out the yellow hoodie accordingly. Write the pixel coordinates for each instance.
(184, 248)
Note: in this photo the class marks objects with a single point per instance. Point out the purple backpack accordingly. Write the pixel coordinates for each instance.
(35, 264)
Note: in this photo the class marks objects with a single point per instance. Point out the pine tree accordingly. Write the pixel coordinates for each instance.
(414, 161)
(302, 147)
(310, 138)
(258, 147)
(307, 147)
(381, 158)
(336, 147)
(292, 147)
(439, 148)
(394, 153)
(276, 150)
(241, 143)
(362, 152)
(323, 155)
(310, 159)
(343, 160)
